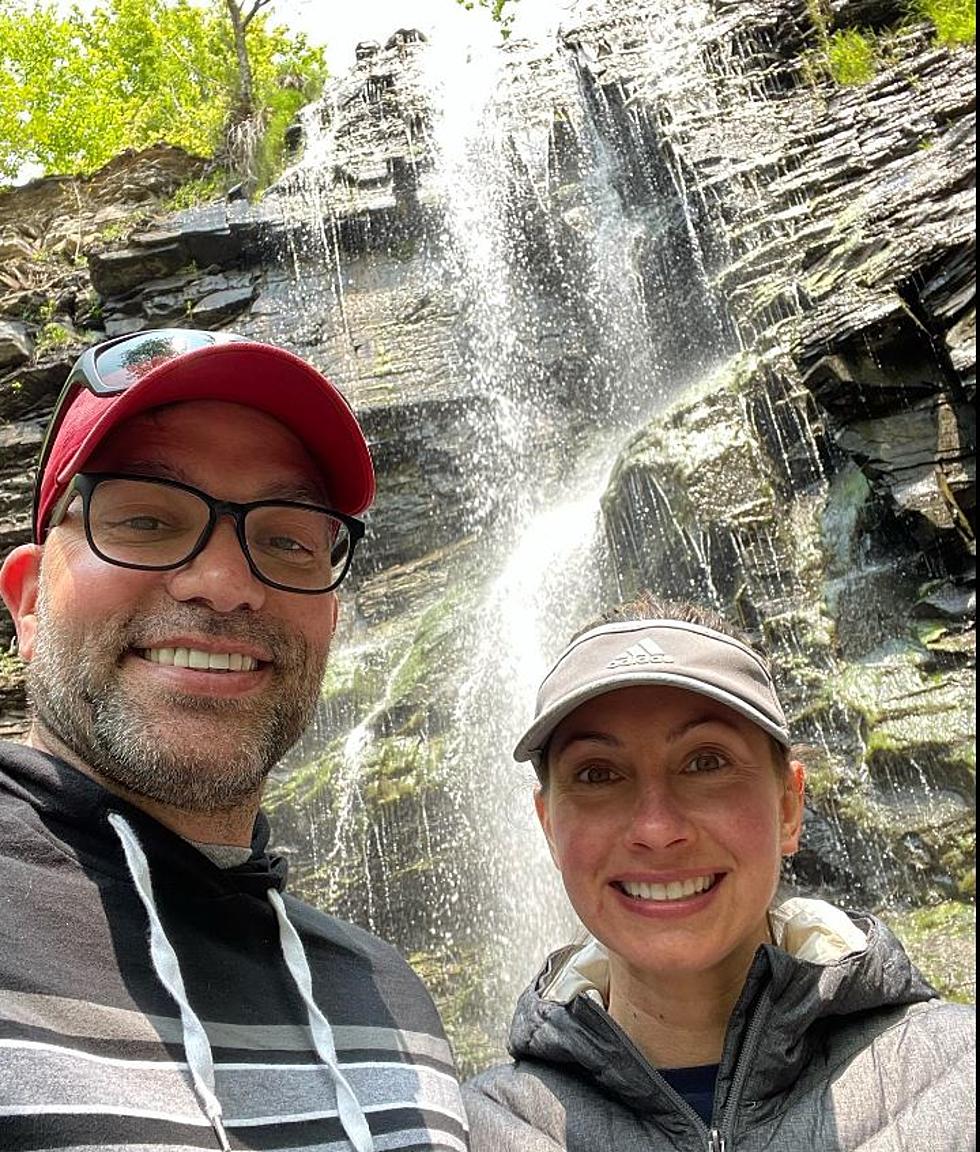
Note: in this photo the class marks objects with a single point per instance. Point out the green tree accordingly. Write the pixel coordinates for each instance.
(76, 89)
(241, 16)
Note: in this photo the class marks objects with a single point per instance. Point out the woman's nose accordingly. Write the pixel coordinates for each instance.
(659, 816)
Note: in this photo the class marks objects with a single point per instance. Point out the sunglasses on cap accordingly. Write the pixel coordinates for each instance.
(114, 366)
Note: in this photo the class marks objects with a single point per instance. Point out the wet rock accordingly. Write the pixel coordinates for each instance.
(865, 14)
(114, 273)
(216, 246)
(411, 587)
(216, 308)
(385, 116)
(691, 509)
(904, 454)
(405, 36)
(948, 600)
(15, 345)
(32, 389)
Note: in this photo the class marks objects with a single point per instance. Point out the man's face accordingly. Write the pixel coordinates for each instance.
(197, 738)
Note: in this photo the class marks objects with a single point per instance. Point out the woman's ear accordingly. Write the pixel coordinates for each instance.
(791, 808)
(19, 580)
(541, 807)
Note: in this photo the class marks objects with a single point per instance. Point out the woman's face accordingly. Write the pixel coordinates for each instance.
(667, 815)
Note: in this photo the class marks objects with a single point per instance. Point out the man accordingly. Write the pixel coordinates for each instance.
(195, 509)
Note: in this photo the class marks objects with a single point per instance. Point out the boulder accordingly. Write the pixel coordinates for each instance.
(15, 345)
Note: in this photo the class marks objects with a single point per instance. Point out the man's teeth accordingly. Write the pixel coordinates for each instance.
(205, 661)
(675, 890)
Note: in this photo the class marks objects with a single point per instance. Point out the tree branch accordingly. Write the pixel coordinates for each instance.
(257, 7)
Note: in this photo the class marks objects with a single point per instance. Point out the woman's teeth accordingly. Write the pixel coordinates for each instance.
(675, 890)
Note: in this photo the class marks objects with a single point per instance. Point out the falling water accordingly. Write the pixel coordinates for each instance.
(580, 271)
(514, 240)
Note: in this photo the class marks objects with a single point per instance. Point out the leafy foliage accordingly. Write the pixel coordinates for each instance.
(851, 56)
(77, 89)
(955, 21)
(498, 10)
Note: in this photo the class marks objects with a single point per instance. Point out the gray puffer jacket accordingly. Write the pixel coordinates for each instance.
(836, 1044)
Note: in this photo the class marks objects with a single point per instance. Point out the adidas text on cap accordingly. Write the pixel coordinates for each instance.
(662, 652)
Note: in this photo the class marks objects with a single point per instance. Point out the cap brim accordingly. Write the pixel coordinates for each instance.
(532, 744)
(270, 380)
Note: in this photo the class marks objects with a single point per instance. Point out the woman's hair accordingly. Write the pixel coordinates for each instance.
(646, 606)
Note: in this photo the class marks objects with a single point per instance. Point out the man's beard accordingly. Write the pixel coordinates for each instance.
(77, 690)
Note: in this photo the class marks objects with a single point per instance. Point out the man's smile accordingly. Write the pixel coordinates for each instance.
(201, 660)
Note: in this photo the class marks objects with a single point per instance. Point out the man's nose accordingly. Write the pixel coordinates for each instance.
(219, 575)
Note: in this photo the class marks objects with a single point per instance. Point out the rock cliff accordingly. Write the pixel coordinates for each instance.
(664, 259)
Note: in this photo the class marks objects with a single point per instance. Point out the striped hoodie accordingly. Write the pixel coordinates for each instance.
(150, 999)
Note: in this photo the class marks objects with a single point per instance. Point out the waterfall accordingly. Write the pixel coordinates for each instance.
(515, 270)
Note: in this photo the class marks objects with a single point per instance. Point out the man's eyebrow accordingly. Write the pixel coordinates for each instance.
(152, 470)
(305, 491)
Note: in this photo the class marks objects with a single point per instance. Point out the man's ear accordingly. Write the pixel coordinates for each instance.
(19, 579)
(541, 807)
(791, 816)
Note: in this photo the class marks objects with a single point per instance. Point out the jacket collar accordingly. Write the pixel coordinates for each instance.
(810, 930)
(841, 964)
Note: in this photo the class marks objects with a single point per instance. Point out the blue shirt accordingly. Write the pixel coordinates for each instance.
(696, 1085)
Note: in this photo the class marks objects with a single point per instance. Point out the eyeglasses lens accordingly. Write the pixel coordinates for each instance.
(152, 525)
(298, 547)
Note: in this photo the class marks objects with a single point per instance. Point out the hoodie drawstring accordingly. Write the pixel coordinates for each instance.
(348, 1107)
(196, 1044)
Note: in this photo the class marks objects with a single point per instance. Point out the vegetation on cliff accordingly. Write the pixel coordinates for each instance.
(854, 54)
(955, 21)
(77, 89)
(500, 10)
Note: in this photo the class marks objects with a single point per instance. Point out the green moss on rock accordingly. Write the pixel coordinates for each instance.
(941, 941)
(454, 980)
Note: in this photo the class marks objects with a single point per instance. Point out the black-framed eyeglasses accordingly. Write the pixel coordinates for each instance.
(156, 525)
(111, 367)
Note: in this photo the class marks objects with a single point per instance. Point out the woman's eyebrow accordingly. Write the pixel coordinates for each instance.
(701, 721)
(585, 734)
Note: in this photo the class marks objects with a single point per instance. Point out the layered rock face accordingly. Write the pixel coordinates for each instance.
(654, 305)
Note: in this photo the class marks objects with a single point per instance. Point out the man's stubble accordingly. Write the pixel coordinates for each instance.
(77, 687)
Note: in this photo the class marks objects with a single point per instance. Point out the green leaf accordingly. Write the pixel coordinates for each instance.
(78, 88)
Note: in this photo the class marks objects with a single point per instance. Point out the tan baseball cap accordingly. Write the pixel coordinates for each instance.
(668, 652)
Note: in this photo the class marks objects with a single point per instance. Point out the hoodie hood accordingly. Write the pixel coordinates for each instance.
(74, 810)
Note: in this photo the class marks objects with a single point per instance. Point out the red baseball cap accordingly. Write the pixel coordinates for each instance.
(124, 377)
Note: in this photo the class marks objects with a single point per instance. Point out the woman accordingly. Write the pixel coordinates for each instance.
(699, 1014)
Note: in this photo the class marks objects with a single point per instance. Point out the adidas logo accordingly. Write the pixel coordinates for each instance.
(645, 652)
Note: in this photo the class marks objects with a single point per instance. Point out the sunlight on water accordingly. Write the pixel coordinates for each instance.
(552, 223)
